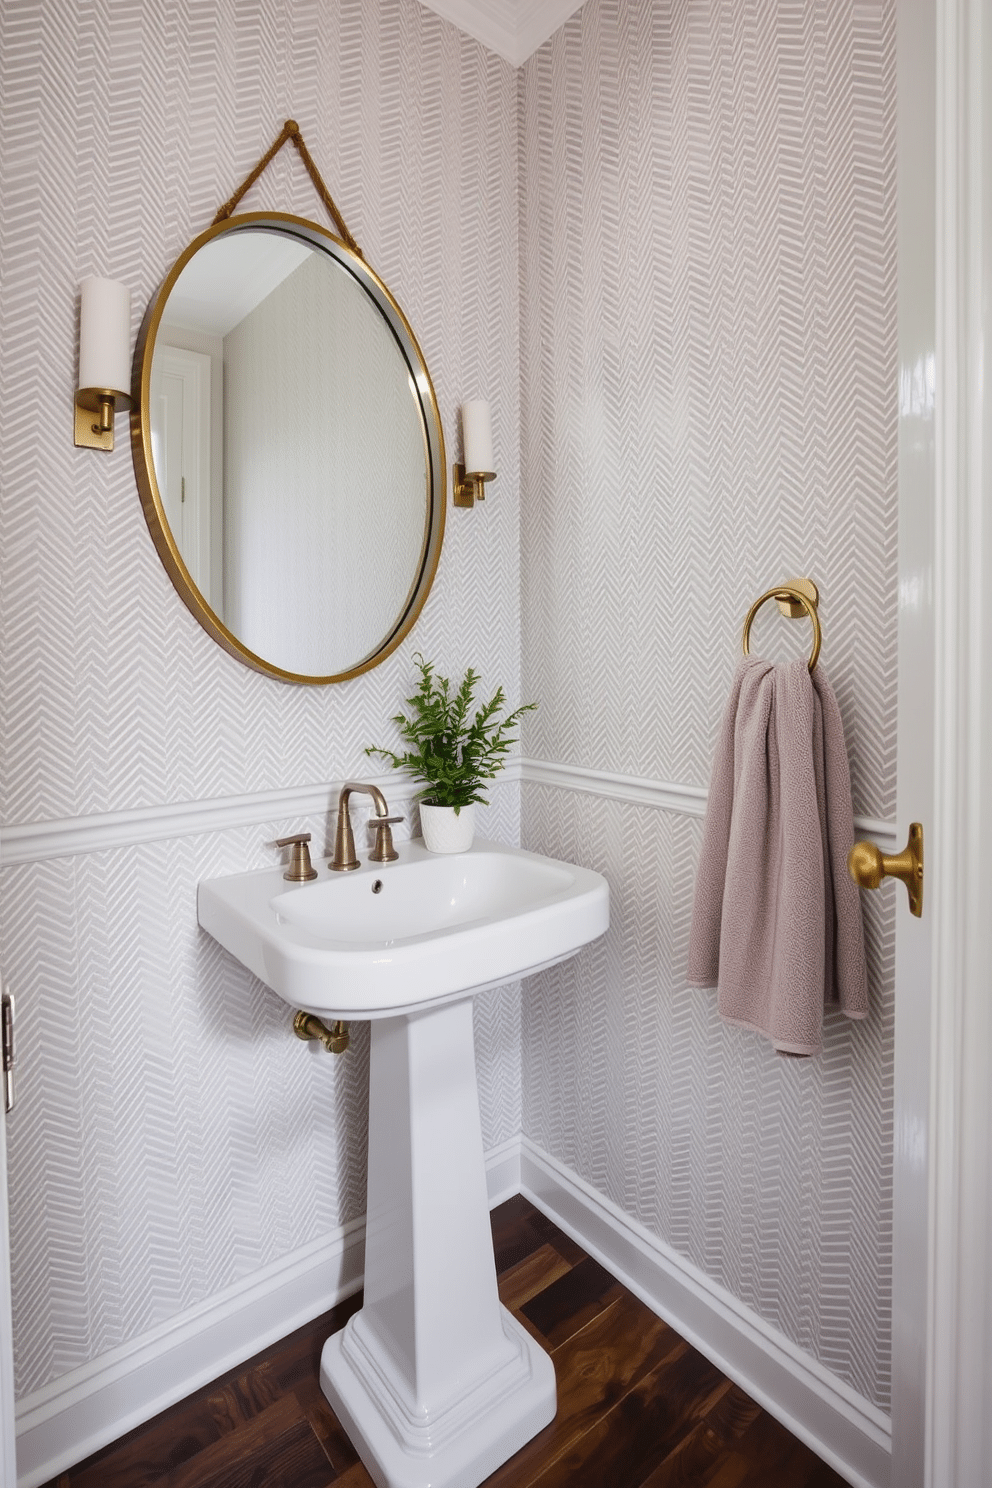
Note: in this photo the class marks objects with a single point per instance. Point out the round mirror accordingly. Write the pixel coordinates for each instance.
(288, 449)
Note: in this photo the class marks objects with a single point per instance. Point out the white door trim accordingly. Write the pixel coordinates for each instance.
(915, 23)
(959, 1343)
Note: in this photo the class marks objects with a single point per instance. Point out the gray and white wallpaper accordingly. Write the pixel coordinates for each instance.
(166, 1118)
(665, 250)
(708, 407)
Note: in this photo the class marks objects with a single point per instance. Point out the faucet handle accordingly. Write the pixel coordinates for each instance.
(383, 850)
(300, 868)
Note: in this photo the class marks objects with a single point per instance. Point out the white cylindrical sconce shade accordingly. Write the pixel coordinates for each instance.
(105, 335)
(477, 435)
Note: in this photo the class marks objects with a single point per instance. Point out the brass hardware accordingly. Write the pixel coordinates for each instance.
(795, 601)
(793, 608)
(291, 131)
(868, 866)
(383, 850)
(468, 487)
(90, 433)
(7, 1016)
(334, 1039)
(345, 858)
(153, 505)
(300, 869)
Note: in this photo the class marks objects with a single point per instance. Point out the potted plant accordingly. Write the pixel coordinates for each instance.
(452, 751)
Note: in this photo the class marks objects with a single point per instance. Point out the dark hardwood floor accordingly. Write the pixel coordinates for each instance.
(637, 1407)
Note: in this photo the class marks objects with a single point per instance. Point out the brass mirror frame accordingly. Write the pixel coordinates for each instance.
(144, 469)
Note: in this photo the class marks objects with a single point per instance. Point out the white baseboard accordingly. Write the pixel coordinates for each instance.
(63, 1422)
(830, 1417)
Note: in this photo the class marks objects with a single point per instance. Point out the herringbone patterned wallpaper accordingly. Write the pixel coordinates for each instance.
(708, 406)
(706, 290)
(172, 1136)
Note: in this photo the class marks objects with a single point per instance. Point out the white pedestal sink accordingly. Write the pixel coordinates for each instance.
(434, 1381)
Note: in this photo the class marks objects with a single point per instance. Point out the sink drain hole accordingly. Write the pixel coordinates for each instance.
(377, 886)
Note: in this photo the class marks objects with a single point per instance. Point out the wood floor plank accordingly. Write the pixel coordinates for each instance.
(355, 1477)
(530, 1276)
(146, 1455)
(700, 1460)
(777, 1459)
(276, 1449)
(563, 1243)
(519, 1229)
(637, 1407)
(298, 1355)
(732, 1415)
(626, 1443)
(594, 1367)
(564, 1307)
(328, 1430)
(238, 1400)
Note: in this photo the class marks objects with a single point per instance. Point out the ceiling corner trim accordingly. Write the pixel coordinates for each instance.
(514, 29)
(537, 20)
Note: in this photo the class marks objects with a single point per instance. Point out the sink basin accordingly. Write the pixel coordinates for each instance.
(392, 936)
(435, 1382)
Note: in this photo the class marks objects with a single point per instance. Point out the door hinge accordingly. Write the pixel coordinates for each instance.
(7, 1020)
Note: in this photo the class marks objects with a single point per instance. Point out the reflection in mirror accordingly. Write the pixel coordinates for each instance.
(289, 445)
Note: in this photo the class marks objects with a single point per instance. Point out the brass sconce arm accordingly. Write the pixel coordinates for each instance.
(469, 486)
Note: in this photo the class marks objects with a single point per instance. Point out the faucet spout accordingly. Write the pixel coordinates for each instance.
(345, 857)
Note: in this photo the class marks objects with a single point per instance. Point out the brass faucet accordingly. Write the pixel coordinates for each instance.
(383, 851)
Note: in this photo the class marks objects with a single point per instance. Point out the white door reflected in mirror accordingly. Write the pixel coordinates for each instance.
(183, 441)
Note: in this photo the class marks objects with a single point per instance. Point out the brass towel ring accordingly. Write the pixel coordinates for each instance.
(785, 592)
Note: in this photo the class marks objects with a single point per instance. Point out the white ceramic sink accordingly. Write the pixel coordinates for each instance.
(433, 1380)
(389, 937)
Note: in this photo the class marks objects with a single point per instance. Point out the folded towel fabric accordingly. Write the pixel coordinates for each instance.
(776, 921)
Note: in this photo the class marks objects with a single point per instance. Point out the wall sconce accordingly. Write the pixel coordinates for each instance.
(104, 360)
(477, 442)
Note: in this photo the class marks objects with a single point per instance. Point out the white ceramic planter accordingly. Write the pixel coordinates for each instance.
(444, 832)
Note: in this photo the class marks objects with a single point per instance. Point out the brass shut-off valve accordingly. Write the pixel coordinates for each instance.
(334, 1039)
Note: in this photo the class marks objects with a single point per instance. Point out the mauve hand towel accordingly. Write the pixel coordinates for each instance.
(776, 921)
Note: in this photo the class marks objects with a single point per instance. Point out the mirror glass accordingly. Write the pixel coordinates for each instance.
(290, 452)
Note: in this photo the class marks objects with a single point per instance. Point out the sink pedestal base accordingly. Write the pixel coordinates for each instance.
(433, 1380)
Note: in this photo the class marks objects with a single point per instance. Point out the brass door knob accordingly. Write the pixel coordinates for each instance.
(868, 866)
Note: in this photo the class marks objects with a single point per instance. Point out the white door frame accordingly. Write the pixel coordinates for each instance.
(959, 1335)
(915, 22)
